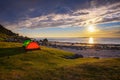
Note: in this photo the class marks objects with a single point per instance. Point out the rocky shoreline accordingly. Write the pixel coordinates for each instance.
(89, 50)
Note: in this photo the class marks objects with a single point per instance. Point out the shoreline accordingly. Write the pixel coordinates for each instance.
(81, 43)
(89, 50)
(84, 45)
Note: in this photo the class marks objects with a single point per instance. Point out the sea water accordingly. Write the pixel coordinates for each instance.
(86, 40)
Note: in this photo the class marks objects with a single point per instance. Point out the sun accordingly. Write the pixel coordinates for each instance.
(91, 28)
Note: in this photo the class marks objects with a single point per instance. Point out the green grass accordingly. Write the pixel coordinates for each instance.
(48, 64)
(3, 37)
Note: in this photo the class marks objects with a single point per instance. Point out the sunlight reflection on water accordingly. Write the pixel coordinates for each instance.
(91, 40)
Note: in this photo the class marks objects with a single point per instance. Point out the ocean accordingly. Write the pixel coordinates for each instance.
(86, 40)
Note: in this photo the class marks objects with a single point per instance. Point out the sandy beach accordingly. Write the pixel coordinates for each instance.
(90, 50)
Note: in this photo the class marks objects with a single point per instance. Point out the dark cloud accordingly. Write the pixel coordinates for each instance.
(53, 13)
(12, 10)
(111, 19)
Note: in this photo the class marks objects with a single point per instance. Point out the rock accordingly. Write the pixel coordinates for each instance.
(74, 56)
(78, 56)
(96, 57)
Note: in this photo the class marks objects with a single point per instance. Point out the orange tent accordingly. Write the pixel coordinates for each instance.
(32, 46)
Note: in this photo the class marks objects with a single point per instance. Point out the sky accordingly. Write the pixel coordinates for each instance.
(61, 18)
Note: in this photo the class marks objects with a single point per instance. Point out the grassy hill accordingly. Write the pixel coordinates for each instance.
(7, 35)
(49, 64)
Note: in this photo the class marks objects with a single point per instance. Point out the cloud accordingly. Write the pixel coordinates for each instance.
(79, 18)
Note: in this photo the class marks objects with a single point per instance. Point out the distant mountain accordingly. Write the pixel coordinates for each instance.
(8, 35)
